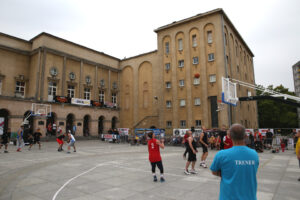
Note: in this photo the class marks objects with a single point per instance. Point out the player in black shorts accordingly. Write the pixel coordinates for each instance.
(192, 150)
(5, 140)
(30, 141)
(204, 143)
(37, 138)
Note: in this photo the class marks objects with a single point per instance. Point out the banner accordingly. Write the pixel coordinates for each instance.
(263, 131)
(82, 102)
(2, 125)
(248, 131)
(123, 131)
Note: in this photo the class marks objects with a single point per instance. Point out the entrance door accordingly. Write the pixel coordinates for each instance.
(214, 113)
(86, 123)
(70, 123)
(100, 125)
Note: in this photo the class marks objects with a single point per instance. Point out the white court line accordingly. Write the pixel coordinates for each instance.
(70, 180)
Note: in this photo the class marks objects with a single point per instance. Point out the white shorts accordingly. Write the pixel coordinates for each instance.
(71, 143)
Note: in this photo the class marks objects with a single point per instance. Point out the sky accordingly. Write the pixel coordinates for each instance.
(124, 28)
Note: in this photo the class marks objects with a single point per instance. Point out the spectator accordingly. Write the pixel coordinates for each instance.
(298, 149)
(238, 167)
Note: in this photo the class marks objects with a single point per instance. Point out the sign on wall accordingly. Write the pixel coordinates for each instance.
(82, 102)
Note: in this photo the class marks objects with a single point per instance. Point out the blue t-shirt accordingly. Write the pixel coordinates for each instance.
(238, 166)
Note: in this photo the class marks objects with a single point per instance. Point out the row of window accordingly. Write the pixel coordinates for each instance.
(182, 102)
(52, 88)
(52, 91)
(212, 79)
(194, 42)
(183, 123)
(211, 57)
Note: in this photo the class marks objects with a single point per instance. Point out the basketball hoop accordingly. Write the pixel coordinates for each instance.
(229, 93)
(41, 110)
(221, 106)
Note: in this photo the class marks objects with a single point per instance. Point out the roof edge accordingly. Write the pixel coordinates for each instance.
(13, 37)
(143, 54)
(73, 43)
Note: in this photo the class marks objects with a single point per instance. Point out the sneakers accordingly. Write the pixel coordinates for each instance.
(162, 179)
(5, 151)
(203, 165)
(68, 152)
(74, 151)
(193, 171)
(154, 178)
(187, 172)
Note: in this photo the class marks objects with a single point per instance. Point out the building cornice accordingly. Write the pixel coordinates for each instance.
(73, 43)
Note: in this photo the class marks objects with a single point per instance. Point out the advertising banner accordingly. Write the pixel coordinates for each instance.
(263, 131)
(123, 131)
(82, 102)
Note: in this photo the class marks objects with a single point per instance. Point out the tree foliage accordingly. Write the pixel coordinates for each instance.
(273, 114)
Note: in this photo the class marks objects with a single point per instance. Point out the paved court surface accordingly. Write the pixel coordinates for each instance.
(101, 170)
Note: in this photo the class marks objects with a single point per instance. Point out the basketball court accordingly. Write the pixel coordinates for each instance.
(100, 170)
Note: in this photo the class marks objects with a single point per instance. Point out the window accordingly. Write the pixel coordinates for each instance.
(168, 104)
(211, 57)
(181, 63)
(71, 91)
(167, 66)
(20, 88)
(169, 124)
(209, 37)
(181, 83)
(182, 123)
(198, 123)
(196, 81)
(225, 39)
(0, 87)
(88, 79)
(114, 97)
(236, 51)
(101, 96)
(212, 78)
(72, 76)
(194, 40)
(182, 102)
(87, 93)
(197, 101)
(168, 84)
(180, 45)
(52, 88)
(195, 60)
(167, 48)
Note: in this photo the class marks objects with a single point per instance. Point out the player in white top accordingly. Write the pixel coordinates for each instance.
(71, 142)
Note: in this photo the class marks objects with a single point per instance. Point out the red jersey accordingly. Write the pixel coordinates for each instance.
(228, 141)
(153, 149)
(185, 137)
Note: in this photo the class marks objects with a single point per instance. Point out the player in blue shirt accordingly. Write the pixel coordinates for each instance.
(237, 168)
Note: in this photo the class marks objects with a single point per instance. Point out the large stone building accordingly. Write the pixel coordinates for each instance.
(176, 86)
(296, 76)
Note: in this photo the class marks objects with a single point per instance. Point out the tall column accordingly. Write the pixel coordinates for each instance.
(95, 83)
(43, 75)
(38, 75)
(63, 79)
(80, 79)
(109, 84)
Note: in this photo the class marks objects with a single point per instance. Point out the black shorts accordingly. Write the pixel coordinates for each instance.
(192, 157)
(269, 141)
(36, 141)
(30, 141)
(4, 142)
(204, 149)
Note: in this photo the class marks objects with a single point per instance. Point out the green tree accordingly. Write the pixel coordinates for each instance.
(273, 114)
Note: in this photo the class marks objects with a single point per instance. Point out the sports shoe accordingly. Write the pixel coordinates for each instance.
(74, 151)
(68, 152)
(193, 171)
(204, 165)
(162, 179)
(154, 178)
(5, 151)
(187, 172)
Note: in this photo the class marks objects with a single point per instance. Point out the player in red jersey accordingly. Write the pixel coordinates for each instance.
(227, 141)
(154, 156)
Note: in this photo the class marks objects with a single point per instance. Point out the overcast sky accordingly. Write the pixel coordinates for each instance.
(124, 28)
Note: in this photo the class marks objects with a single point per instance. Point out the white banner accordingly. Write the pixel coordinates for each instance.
(248, 131)
(123, 131)
(1, 125)
(263, 131)
(82, 102)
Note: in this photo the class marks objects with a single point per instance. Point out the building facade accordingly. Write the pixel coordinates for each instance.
(296, 76)
(176, 86)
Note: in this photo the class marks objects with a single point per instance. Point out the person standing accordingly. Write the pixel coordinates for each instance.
(222, 134)
(49, 129)
(269, 139)
(192, 150)
(74, 129)
(294, 134)
(237, 168)
(204, 143)
(30, 140)
(54, 129)
(5, 139)
(37, 137)
(60, 140)
(186, 144)
(154, 156)
(258, 141)
(297, 149)
(227, 141)
(71, 142)
(20, 141)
